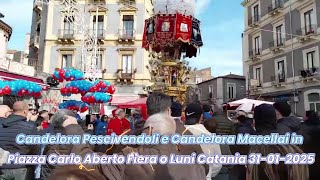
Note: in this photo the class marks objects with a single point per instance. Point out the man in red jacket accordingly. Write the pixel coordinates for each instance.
(118, 124)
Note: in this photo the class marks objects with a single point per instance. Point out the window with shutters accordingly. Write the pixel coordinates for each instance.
(231, 90)
(66, 61)
(126, 63)
(98, 25)
(128, 25)
(314, 102)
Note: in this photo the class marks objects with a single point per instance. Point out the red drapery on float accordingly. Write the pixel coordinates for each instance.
(164, 35)
(183, 28)
(168, 32)
(140, 103)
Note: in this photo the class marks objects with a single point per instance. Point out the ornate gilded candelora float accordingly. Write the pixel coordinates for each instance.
(171, 34)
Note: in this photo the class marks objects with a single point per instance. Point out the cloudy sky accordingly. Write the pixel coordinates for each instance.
(221, 26)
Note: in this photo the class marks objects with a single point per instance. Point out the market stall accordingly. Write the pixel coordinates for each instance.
(137, 104)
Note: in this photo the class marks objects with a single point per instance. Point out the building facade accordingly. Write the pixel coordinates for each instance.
(281, 52)
(198, 76)
(5, 34)
(222, 89)
(201, 75)
(55, 44)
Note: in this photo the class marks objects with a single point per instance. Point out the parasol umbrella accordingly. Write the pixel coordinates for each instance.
(247, 105)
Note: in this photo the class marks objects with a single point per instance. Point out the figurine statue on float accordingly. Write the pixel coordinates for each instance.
(171, 34)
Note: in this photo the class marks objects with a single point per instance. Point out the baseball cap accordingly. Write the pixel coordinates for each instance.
(193, 111)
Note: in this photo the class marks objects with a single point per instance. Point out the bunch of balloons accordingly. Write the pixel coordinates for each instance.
(74, 105)
(68, 74)
(82, 87)
(20, 88)
(96, 97)
(104, 87)
(76, 87)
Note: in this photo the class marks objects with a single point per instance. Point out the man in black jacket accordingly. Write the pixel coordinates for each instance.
(286, 122)
(15, 124)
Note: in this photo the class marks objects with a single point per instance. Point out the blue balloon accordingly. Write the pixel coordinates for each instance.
(56, 74)
(14, 89)
(67, 74)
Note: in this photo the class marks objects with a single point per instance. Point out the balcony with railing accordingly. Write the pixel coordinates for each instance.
(311, 74)
(255, 54)
(127, 35)
(126, 77)
(278, 80)
(254, 21)
(276, 7)
(277, 45)
(66, 35)
(101, 33)
(305, 32)
(255, 85)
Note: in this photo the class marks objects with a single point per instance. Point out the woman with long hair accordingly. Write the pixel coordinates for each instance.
(279, 171)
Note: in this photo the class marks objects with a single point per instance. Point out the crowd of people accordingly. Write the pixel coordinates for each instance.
(165, 118)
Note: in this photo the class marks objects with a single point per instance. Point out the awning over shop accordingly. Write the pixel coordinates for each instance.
(13, 76)
(122, 99)
(139, 104)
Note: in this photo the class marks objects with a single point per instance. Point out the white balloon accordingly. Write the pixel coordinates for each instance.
(186, 7)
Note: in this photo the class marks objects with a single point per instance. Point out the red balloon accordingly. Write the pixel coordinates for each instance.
(23, 91)
(6, 90)
(111, 89)
(64, 91)
(103, 86)
(93, 89)
(110, 99)
(83, 93)
(68, 79)
(84, 109)
(91, 99)
(61, 73)
(74, 90)
(38, 94)
(98, 85)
